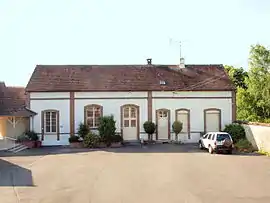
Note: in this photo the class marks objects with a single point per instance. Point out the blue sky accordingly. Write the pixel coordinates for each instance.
(127, 32)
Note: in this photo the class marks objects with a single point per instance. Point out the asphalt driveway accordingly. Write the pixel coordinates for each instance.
(160, 173)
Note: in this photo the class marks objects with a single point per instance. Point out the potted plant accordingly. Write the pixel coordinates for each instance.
(117, 140)
(26, 141)
(177, 127)
(33, 136)
(74, 141)
(149, 128)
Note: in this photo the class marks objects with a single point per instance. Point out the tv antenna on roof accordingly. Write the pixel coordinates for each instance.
(172, 41)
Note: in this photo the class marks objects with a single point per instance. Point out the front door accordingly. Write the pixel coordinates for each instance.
(130, 122)
(163, 124)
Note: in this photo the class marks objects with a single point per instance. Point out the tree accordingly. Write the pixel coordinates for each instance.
(253, 100)
(238, 76)
(259, 82)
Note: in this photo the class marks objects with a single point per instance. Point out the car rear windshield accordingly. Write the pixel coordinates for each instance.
(221, 137)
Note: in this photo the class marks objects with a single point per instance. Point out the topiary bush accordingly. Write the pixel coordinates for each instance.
(177, 127)
(83, 130)
(107, 129)
(91, 140)
(149, 128)
(236, 131)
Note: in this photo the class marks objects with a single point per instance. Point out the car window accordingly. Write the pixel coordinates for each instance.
(223, 136)
(213, 137)
(209, 137)
(205, 136)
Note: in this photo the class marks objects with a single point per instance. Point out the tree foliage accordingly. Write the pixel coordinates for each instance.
(259, 81)
(238, 76)
(253, 87)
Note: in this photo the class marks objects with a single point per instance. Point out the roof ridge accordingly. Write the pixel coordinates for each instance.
(15, 86)
(74, 65)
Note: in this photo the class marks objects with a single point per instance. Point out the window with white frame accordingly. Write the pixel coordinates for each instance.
(182, 115)
(92, 115)
(50, 121)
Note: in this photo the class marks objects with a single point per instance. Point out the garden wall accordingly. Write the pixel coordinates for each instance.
(258, 135)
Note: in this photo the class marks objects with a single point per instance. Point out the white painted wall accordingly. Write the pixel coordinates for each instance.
(192, 94)
(259, 136)
(196, 107)
(42, 95)
(109, 94)
(63, 107)
(110, 106)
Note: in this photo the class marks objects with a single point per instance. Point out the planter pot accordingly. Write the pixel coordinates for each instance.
(76, 144)
(29, 144)
(116, 144)
(38, 144)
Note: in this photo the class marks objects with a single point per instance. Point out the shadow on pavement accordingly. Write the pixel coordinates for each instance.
(133, 148)
(14, 175)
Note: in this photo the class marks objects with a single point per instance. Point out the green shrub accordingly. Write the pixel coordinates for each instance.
(32, 135)
(91, 140)
(149, 128)
(177, 127)
(117, 138)
(73, 138)
(240, 122)
(236, 131)
(83, 130)
(243, 145)
(107, 129)
(23, 138)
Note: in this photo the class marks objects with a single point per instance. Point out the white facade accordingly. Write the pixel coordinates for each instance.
(111, 102)
(64, 119)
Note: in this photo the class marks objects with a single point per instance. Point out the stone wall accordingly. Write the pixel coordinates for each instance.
(258, 135)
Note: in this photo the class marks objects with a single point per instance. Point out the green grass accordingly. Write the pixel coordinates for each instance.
(243, 145)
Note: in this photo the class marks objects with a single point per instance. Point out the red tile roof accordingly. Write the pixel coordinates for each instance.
(128, 78)
(13, 101)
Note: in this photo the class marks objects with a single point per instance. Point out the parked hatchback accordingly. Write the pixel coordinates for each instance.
(216, 142)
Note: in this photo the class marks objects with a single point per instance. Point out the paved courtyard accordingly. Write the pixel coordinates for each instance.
(160, 173)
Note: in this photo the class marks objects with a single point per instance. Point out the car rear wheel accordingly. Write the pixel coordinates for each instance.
(229, 151)
(210, 150)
